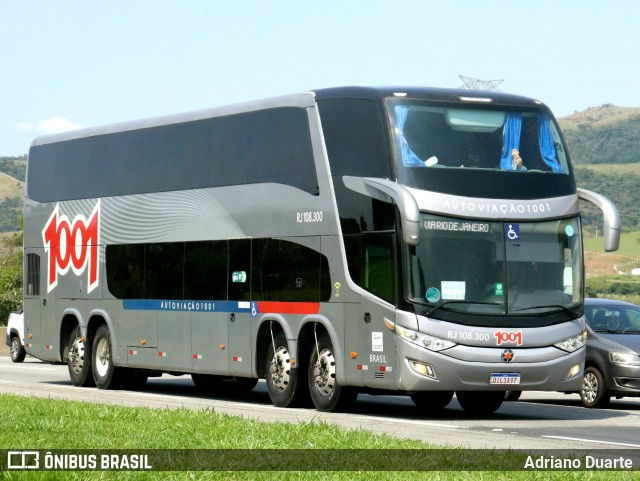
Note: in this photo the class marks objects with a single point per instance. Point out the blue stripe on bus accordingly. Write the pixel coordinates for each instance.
(185, 306)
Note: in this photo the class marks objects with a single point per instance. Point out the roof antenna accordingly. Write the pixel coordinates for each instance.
(477, 84)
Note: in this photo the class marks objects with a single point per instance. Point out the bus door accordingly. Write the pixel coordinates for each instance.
(239, 315)
(378, 278)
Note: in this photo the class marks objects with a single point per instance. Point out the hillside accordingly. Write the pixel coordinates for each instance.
(12, 173)
(597, 117)
(603, 135)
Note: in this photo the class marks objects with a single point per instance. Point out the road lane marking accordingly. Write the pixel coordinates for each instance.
(12, 367)
(594, 441)
(409, 421)
(8, 382)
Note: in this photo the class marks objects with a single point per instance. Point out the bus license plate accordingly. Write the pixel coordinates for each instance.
(504, 378)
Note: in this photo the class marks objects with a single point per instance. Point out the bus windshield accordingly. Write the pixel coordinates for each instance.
(496, 267)
(428, 136)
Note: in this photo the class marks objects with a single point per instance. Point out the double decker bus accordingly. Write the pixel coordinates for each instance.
(417, 241)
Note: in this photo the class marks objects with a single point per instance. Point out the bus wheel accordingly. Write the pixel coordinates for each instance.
(325, 392)
(431, 399)
(480, 403)
(282, 377)
(104, 372)
(594, 390)
(79, 360)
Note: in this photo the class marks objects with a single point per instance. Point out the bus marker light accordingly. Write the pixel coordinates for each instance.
(382, 369)
(162, 354)
(48, 347)
(292, 362)
(30, 336)
(222, 346)
(143, 342)
(197, 356)
(133, 353)
(354, 355)
(390, 324)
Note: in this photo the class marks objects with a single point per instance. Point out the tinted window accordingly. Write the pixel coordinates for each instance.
(285, 271)
(355, 138)
(264, 146)
(282, 271)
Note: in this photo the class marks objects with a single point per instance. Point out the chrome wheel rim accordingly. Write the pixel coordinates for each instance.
(103, 359)
(324, 372)
(76, 356)
(589, 387)
(280, 369)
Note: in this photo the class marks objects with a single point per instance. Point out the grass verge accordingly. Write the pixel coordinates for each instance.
(28, 423)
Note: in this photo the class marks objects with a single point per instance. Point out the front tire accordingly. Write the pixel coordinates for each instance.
(431, 400)
(79, 360)
(16, 350)
(594, 392)
(480, 403)
(326, 394)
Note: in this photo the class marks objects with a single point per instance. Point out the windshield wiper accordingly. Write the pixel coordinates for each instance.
(558, 307)
(462, 302)
(610, 331)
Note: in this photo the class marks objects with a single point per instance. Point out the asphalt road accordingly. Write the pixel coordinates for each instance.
(538, 421)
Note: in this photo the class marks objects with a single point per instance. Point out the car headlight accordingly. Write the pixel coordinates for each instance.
(423, 340)
(573, 343)
(627, 358)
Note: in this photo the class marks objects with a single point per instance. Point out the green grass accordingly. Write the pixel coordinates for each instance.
(629, 244)
(28, 423)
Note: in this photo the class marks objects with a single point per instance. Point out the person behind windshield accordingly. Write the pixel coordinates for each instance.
(516, 161)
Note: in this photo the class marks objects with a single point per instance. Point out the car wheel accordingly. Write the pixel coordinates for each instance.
(17, 351)
(594, 392)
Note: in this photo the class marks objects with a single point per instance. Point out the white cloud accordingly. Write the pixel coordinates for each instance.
(51, 125)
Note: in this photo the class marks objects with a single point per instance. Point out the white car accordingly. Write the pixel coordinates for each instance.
(15, 336)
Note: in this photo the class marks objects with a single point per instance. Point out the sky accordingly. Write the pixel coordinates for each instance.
(67, 64)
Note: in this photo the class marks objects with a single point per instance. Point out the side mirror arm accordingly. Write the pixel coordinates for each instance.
(388, 191)
(611, 216)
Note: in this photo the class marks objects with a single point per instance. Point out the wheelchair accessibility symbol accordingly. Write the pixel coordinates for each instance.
(512, 231)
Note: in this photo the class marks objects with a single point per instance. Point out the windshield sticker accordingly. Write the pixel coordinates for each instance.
(433, 294)
(453, 290)
(498, 289)
(512, 231)
(569, 230)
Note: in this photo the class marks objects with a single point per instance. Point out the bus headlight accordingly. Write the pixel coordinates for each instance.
(423, 340)
(573, 343)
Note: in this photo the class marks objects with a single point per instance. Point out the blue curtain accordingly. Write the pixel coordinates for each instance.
(547, 147)
(409, 157)
(510, 139)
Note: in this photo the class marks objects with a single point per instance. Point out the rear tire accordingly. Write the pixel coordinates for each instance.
(105, 374)
(79, 360)
(326, 394)
(480, 403)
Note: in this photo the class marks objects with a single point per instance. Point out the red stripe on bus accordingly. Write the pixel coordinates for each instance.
(289, 307)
